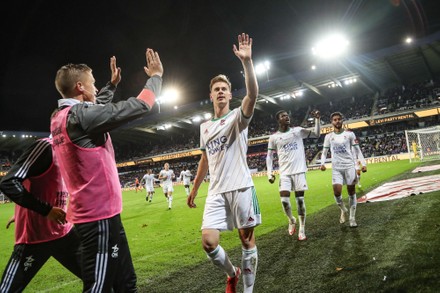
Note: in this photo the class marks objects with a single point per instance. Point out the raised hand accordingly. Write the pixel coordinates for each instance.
(244, 51)
(116, 72)
(154, 65)
(57, 215)
(315, 114)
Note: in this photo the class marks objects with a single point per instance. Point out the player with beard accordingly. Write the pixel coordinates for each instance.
(341, 143)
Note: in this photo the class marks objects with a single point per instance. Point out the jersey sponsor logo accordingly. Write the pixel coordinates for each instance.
(339, 149)
(291, 146)
(217, 144)
(206, 131)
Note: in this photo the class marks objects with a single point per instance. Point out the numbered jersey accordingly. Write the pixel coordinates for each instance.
(169, 176)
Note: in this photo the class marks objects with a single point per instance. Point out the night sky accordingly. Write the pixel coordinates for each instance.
(193, 38)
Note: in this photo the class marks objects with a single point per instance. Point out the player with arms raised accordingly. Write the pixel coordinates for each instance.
(231, 201)
(341, 143)
(288, 143)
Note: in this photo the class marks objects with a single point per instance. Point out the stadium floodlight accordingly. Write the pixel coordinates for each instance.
(263, 68)
(408, 40)
(332, 46)
(313, 67)
(207, 116)
(197, 119)
(168, 96)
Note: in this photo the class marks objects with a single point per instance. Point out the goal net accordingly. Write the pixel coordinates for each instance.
(423, 144)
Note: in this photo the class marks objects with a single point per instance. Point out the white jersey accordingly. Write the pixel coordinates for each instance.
(149, 180)
(225, 142)
(290, 149)
(169, 176)
(185, 176)
(340, 145)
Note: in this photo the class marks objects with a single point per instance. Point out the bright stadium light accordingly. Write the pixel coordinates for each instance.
(408, 40)
(168, 96)
(263, 68)
(197, 119)
(207, 115)
(331, 46)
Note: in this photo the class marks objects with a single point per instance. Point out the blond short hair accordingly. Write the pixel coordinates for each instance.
(67, 77)
(220, 78)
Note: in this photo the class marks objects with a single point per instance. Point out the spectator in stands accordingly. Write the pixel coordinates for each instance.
(82, 144)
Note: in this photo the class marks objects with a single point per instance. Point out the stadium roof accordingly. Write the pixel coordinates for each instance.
(374, 72)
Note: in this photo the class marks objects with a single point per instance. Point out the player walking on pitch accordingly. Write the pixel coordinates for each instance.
(231, 201)
(148, 180)
(185, 177)
(287, 142)
(167, 175)
(341, 143)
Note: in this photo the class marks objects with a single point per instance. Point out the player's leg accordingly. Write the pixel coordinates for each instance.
(352, 198)
(67, 252)
(151, 195)
(285, 185)
(125, 280)
(170, 197)
(300, 185)
(358, 173)
(187, 189)
(217, 217)
(247, 208)
(338, 182)
(99, 253)
(26, 260)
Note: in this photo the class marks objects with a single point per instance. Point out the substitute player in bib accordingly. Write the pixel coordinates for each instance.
(232, 201)
(167, 176)
(287, 142)
(185, 177)
(341, 143)
(82, 143)
(34, 183)
(148, 180)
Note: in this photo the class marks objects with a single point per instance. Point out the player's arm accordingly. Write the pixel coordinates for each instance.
(33, 162)
(324, 153)
(106, 94)
(244, 53)
(96, 119)
(360, 156)
(316, 132)
(202, 170)
(269, 165)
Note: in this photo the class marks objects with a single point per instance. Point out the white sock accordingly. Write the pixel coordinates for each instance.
(249, 263)
(340, 203)
(352, 201)
(301, 206)
(285, 201)
(220, 259)
(187, 191)
(170, 200)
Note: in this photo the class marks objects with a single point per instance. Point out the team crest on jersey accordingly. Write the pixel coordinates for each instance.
(206, 131)
(222, 122)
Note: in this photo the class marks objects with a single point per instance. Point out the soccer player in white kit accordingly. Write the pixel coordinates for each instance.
(167, 176)
(341, 143)
(287, 142)
(148, 180)
(185, 177)
(231, 201)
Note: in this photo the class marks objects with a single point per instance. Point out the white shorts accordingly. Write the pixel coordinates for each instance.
(186, 183)
(295, 182)
(235, 209)
(149, 188)
(167, 188)
(344, 177)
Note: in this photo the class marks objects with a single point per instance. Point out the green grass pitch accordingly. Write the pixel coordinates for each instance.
(166, 242)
